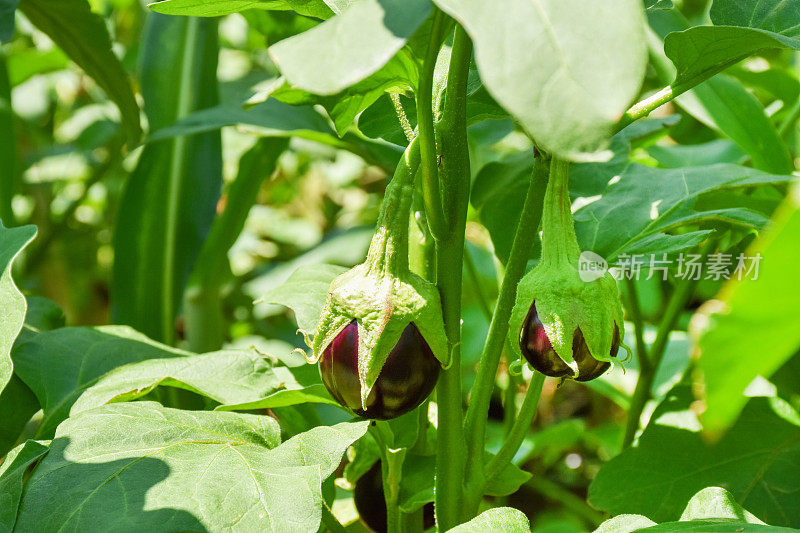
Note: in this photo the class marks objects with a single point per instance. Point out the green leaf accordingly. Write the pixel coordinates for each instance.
(7, 10)
(12, 303)
(83, 36)
(218, 8)
(722, 103)
(758, 462)
(753, 316)
(12, 475)
(658, 4)
(231, 378)
(740, 29)
(272, 118)
(59, 365)
(304, 292)
(170, 200)
(398, 75)
(504, 519)
(350, 47)
(623, 218)
(695, 155)
(583, 63)
(711, 509)
(163, 469)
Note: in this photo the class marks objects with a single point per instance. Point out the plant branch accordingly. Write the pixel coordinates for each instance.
(638, 325)
(520, 428)
(567, 498)
(641, 394)
(430, 164)
(498, 329)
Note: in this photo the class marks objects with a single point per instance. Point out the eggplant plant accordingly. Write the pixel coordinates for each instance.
(399, 265)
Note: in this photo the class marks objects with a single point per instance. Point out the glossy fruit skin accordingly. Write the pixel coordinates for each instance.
(371, 503)
(539, 352)
(407, 378)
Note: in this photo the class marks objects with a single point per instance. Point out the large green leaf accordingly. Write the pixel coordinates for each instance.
(634, 212)
(18, 403)
(59, 365)
(159, 469)
(83, 36)
(217, 8)
(504, 519)
(725, 105)
(722, 103)
(228, 377)
(758, 462)
(170, 201)
(755, 327)
(740, 29)
(567, 69)
(711, 509)
(12, 303)
(350, 47)
(12, 475)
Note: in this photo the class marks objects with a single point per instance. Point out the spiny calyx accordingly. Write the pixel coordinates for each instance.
(565, 326)
(381, 297)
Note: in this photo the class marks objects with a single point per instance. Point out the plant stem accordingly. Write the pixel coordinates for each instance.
(205, 326)
(455, 176)
(641, 394)
(638, 324)
(520, 428)
(498, 329)
(573, 503)
(790, 121)
(427, 135)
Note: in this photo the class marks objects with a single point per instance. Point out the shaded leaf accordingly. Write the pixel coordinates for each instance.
(181, 470)
(12, 475)
(641, 203)
(59, 365)
(583, 64)
(758, 462)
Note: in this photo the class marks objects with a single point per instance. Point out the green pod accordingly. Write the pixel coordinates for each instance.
(382, 295)
(582, 320)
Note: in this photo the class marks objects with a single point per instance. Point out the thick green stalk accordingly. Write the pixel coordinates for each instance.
(498, 329)
(455, 177)
(520, 428)
(560, 242)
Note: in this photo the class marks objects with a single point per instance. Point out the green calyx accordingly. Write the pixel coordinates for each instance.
(565, 302)
(382, 294)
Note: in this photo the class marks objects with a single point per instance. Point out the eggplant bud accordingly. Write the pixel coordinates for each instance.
(538, 351)
(406, 379)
